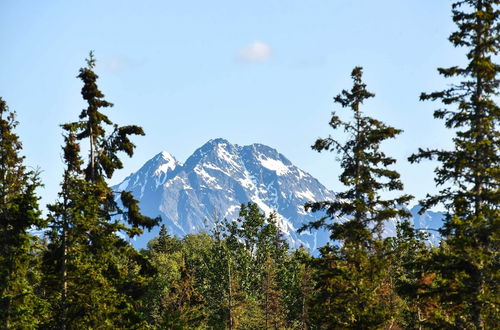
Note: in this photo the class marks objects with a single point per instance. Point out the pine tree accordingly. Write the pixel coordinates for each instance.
(95, 276)
(183, 305)
(165, 255)
(271, 301)
(163, 240)
(296, 287)
(408, 257)
(364, 171)
(246, 267)
(67, 220)
(19, 213)
(226, 262)
(470, 173)
(306, 288)
(351, 271)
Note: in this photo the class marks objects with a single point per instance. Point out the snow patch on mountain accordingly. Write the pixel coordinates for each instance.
(274, 165)
(169, 163)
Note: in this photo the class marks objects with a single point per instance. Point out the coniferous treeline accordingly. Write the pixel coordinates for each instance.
(82, 273)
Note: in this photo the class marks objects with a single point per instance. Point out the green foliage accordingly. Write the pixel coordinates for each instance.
(94, 278)
(351, 289)
(296, 283)
(364, 171)
(241, 276)
(466, 266)
(174, 298)
(19, 268)
(408, 258)
(85, 275)
(349, 292)
(261, 254)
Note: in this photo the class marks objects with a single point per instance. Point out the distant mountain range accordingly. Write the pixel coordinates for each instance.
(218, 177)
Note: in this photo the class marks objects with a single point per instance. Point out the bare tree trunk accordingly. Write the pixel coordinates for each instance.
(479, 175)
(230, 295)
(64, 282)
(92, 160)
(64, 265)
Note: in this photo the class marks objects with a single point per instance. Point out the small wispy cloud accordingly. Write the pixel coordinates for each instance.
(257, 51)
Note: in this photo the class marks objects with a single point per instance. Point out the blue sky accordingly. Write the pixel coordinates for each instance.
(248, 71)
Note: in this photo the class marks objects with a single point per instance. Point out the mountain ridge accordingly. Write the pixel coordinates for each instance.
(217, 178)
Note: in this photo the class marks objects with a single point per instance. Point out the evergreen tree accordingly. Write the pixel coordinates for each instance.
(297, 285)
(164, 253)
(467, 263)
(351, 271)
(19, 213)
(222, 294)
(176, 296)
(182, 307)
(246, 267)
(95, 276)
(228, 262)
(408, 257)
(240, 276)
(272, 305)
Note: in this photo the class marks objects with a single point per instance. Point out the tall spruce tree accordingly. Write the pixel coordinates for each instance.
(350, 271)
(97, 277)
(470, 173)
(365, 172)
(19, 306)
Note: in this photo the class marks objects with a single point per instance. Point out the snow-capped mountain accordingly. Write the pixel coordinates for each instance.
(218, 177)
(430, 222)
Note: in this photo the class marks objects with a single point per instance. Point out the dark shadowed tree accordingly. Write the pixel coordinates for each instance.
(19, 213)
(467, 263)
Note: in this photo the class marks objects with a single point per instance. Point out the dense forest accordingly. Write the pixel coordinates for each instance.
(82, 272)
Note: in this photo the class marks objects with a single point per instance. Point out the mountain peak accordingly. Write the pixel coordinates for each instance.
(161, 157)
(160, 163)
(169, 163)
(216, 141)
(218, 151)
(211, 145)
(154, 172)
(217, 178)
(166, 156)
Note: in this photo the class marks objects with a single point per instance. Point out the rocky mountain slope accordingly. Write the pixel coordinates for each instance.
(216, 179)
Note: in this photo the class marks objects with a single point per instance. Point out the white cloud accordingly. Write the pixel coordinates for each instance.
(257, 51)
